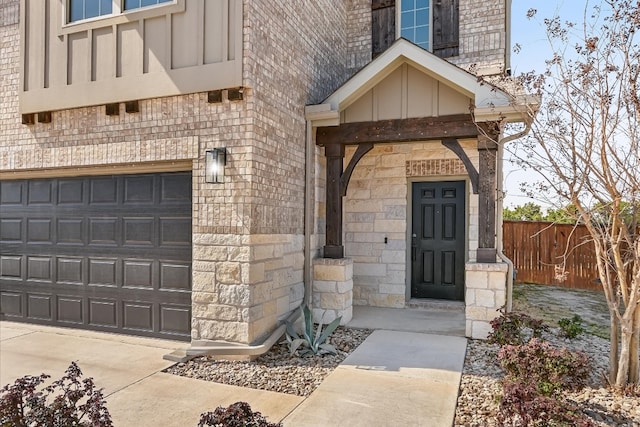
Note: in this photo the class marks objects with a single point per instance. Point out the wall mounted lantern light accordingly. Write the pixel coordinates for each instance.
(215, 160)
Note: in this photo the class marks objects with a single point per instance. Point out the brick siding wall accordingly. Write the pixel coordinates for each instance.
(247, 233)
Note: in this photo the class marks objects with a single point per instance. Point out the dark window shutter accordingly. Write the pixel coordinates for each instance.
(383, 25)
(445, 28)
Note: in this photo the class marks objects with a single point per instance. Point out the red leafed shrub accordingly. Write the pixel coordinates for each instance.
(522, 401)
(514, 329)
(68, 401)
(536, 373)
(549, 369)
(238, 414)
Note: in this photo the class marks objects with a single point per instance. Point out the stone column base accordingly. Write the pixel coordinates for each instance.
(332, 289)
(485, 294)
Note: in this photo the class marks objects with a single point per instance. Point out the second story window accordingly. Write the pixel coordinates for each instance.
(135, 4)
(79, 10)
(415, 21)
(85, 9)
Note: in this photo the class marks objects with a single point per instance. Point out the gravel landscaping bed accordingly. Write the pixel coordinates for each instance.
(276, 370)
(478, 406)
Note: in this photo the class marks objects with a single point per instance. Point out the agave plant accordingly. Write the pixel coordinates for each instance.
(310, 341)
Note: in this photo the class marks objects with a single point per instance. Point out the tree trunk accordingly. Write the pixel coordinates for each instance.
(613, 352)
(634, 353)
(626, 335)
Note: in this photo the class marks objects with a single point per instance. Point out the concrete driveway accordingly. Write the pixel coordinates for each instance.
(393, 378)
(129, 371)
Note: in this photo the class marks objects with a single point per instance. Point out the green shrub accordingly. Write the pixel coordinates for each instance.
(571, 328)
(238, 414)
(514, 329)
(68, 401)
(310, 341)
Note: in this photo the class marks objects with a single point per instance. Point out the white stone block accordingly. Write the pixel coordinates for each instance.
(485, 298)
(324, 286)
(392, 289)
(480, 330)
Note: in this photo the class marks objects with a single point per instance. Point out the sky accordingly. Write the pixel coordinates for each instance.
(530, 35)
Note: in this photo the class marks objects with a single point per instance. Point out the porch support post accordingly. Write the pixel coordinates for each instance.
(335, 160)
(488, 157)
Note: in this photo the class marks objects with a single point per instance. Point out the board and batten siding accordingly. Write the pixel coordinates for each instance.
(406, 93)
(175, 48)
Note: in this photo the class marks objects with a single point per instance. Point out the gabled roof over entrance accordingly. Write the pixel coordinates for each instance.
(489, 103)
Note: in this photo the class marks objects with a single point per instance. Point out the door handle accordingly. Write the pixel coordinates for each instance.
(414, 246)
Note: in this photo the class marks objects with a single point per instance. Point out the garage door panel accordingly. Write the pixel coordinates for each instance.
(102, 312)
(39, 231)
(104, 253)
(11, 304)
(139, 189)
(70, 270)
(173, 188)
(103, 191)
(39, 306)
(103, 231)
(138, 274)
(41, 192)
(175, 231)
(139, 231)
(175, 319)
(137, 315)
(11, 229)
(71, 192)
(174, 276)
(11, 267)
(70, 309)
(39, 269)
(103, 272)
(70, 231)
(12, 193)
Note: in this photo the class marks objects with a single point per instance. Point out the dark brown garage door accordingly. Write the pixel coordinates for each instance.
(109, 253)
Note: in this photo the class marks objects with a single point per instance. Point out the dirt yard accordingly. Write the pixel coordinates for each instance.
(552, 303)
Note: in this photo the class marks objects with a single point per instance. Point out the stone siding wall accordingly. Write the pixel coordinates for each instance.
(376, 208)
(485, 293)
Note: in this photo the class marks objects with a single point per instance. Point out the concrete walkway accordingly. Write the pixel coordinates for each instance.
(393, 378)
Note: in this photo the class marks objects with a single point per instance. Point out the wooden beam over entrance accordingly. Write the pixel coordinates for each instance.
(398, 130)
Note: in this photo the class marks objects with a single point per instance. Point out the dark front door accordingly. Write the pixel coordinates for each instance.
(109, 253)
(437, 244)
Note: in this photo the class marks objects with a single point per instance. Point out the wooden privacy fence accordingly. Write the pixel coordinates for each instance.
(537, 248)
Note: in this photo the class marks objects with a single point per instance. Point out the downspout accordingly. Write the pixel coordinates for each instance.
(309, 201)
(226, 349)
(499, 208)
